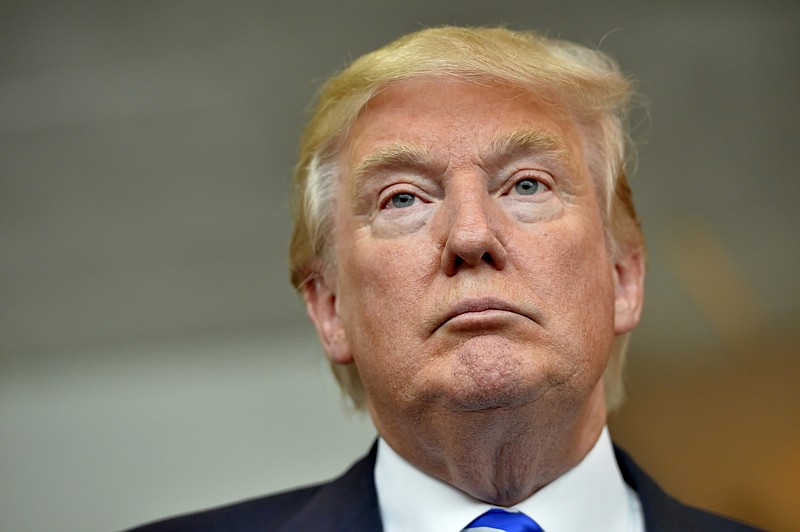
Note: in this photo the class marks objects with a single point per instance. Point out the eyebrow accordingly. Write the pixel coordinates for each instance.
(507, 147)
(502, 150)
(393, 157)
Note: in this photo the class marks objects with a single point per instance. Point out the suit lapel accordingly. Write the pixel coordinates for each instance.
(348, 504)
(661, 512)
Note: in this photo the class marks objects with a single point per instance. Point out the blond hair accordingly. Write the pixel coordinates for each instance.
(583, 84)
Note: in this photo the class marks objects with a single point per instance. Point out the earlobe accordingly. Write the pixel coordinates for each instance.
(321, 307)
(629, 273)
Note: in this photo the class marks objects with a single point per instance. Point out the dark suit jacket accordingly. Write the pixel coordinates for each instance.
(350, 504)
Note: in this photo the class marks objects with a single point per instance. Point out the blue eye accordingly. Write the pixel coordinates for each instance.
(403, 199)
(527, 187)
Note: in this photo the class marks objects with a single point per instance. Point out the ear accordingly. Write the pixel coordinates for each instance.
(321, 307)
(629, 271)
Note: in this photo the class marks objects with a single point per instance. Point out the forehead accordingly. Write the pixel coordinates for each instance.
(455, 121)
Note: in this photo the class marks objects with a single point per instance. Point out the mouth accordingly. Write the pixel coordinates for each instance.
(482, 311)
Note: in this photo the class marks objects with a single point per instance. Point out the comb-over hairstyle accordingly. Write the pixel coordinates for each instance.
(584, 85)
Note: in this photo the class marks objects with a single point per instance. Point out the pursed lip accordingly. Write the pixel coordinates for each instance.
(482, 304)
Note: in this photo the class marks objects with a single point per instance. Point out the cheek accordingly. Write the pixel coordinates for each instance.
(381, 285)
(382, 293)
(574, 286)
(571, 274)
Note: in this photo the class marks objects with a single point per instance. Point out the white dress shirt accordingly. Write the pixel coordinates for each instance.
(590, 496)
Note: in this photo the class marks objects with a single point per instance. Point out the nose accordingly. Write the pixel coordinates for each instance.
(474, 233)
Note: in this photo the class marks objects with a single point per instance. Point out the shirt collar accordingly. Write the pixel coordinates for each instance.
(590, 496)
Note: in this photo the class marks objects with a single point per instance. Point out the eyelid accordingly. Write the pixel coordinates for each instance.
(542, 178)
(385, 196)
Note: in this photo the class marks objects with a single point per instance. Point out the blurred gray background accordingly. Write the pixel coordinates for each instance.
(153, 357)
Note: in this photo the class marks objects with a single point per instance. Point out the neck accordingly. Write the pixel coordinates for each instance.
(502, 456)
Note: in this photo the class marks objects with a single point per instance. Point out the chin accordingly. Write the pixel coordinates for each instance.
(486, 400)
(501, 386)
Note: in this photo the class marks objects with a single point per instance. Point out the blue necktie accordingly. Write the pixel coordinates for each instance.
(504, 521)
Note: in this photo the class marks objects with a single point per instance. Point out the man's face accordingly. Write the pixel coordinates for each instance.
(471, 270)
